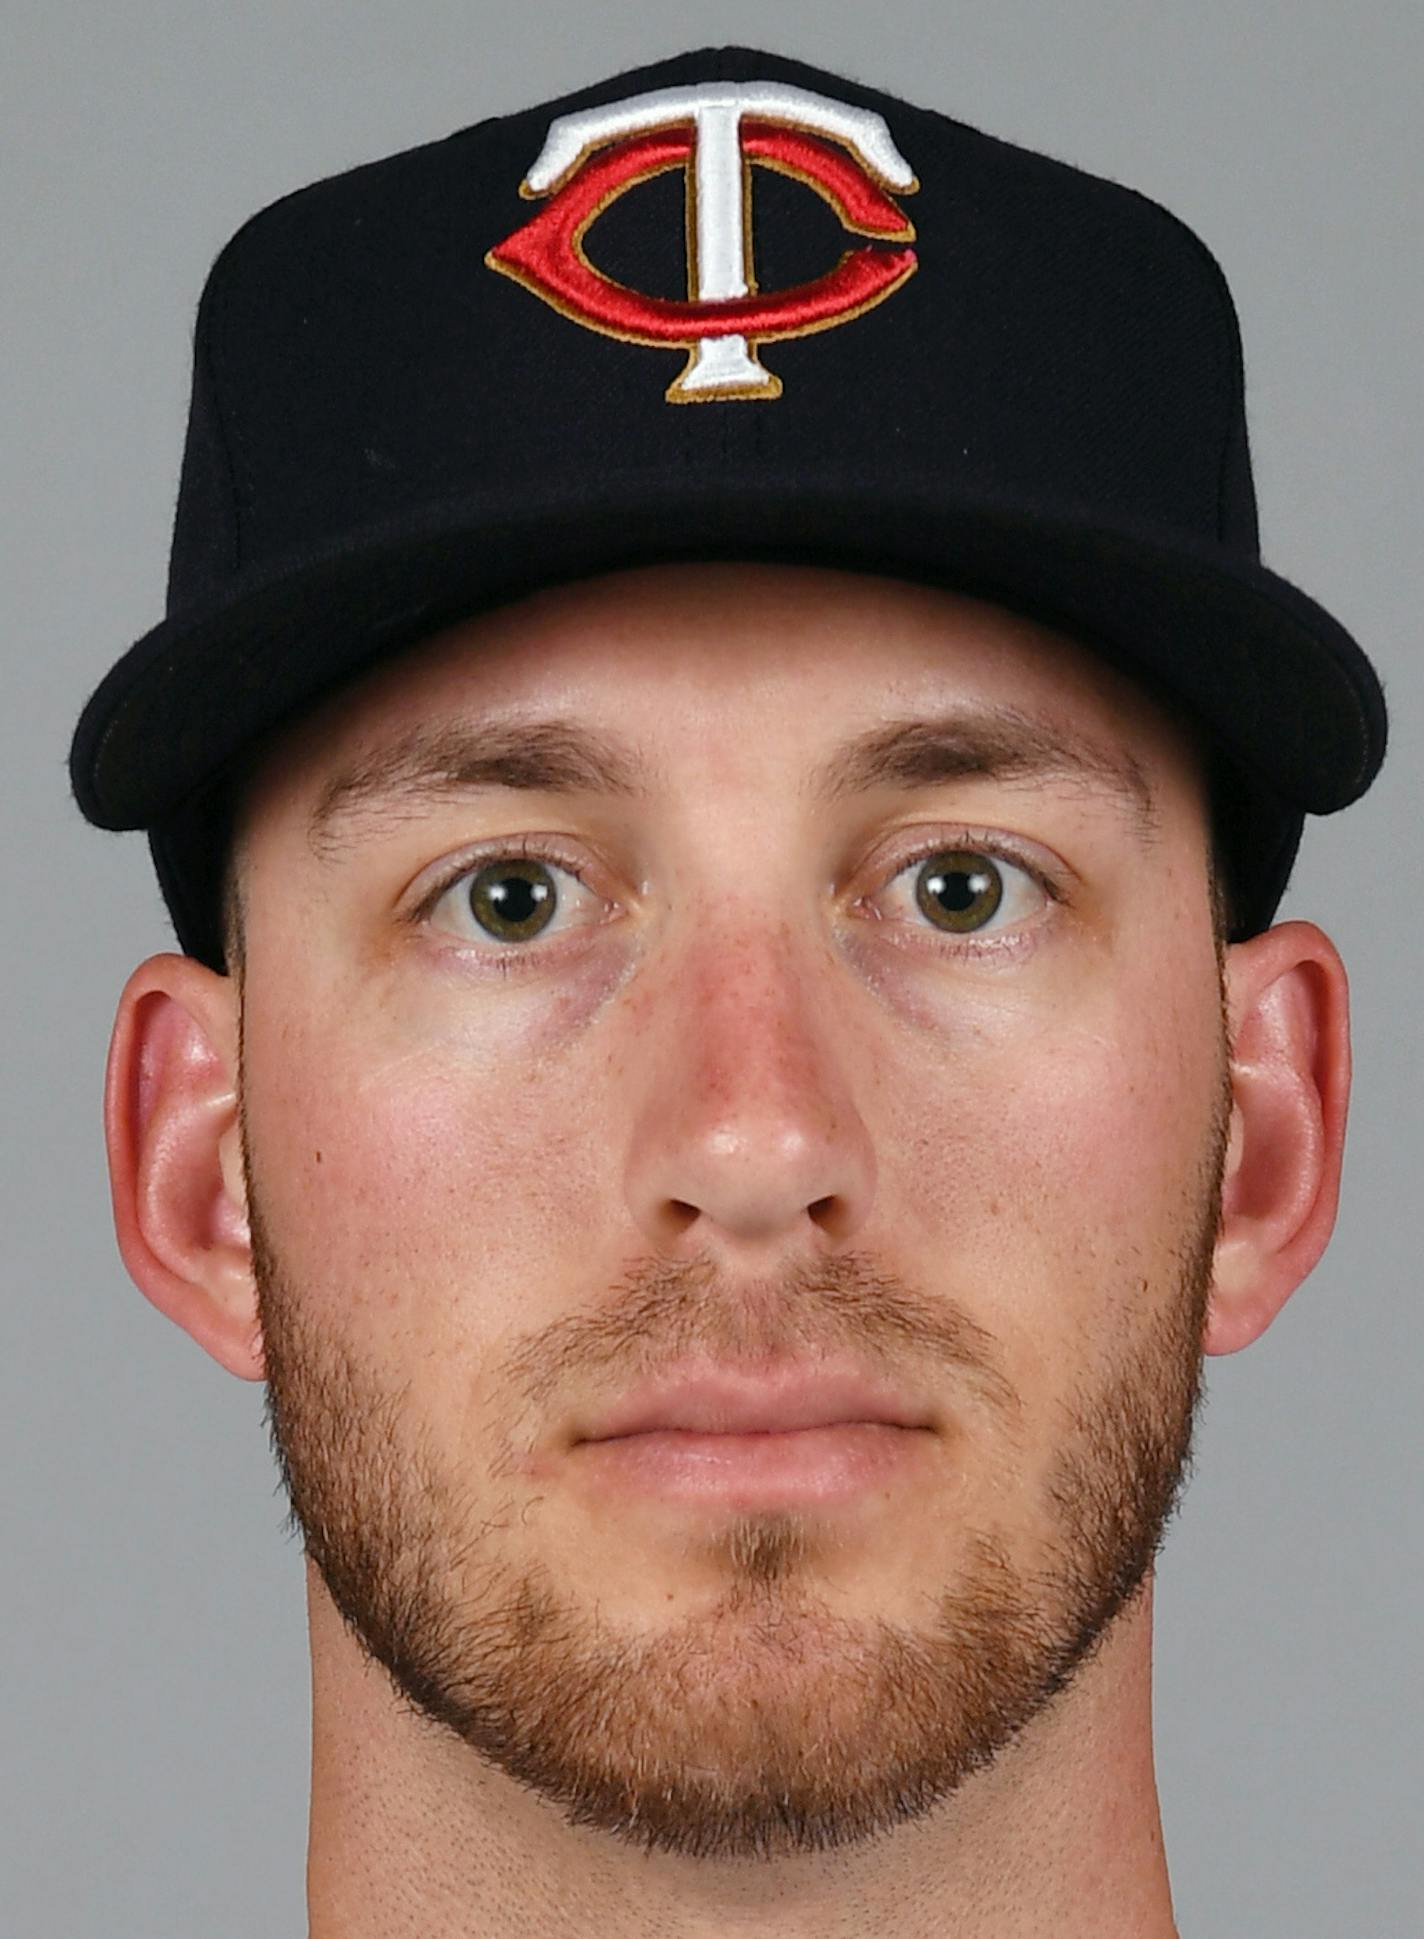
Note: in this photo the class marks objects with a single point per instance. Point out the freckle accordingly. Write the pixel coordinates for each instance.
(318, 1157)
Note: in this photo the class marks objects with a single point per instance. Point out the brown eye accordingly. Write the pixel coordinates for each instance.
(519, 897)
(511, 900)
(959, 890)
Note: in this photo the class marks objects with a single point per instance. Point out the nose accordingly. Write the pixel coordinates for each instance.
(747, 1137)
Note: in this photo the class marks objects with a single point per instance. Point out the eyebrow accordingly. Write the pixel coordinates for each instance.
(425, 764)
(561, 756)
(994, 743)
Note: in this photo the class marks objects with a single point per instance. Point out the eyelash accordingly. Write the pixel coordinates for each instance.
(511, 957)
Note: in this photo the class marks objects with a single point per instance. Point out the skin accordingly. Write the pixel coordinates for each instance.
(749, 1101)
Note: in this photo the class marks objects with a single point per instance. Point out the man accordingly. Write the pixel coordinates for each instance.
(732, 1054)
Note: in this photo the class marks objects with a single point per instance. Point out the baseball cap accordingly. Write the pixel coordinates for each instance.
(723, 306)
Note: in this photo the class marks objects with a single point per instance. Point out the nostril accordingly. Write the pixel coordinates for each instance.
(833, 1215)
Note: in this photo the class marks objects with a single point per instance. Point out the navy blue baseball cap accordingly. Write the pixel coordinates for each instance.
(727, 306)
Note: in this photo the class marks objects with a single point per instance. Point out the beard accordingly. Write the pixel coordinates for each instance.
(768, 1723)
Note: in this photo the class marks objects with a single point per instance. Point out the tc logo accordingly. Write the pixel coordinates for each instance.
(713, 133)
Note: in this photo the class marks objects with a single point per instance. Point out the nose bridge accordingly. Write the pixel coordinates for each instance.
(749, 1025)
(749, 1126)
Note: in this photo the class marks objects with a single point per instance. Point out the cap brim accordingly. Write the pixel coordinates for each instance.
(1268, 673)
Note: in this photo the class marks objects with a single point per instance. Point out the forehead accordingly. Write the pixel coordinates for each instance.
(734, 659)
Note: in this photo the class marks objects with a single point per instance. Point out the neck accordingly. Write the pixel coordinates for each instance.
(411, 1832)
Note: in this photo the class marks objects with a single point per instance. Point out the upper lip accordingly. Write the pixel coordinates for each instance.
(727, 1400)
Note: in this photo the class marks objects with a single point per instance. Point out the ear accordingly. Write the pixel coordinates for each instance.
(175, 1159)
(1288, 1015)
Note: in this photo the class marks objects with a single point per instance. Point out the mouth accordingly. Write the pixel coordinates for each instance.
(809, 1467)
(704, 1399)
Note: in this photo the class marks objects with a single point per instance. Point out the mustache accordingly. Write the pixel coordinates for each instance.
(661, 1311)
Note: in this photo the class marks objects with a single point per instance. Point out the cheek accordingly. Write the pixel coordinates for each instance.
(1108, 1120)
(1051, 1161)
(415, 1187)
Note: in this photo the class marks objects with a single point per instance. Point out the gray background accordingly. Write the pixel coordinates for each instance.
(152, 1625)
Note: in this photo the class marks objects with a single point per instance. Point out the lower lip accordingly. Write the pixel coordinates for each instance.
(814, 1466)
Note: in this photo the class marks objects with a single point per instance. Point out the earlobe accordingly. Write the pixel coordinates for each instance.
(1288, 1017)
(175, 1161)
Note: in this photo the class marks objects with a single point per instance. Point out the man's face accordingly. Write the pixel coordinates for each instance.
(546, 1089)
